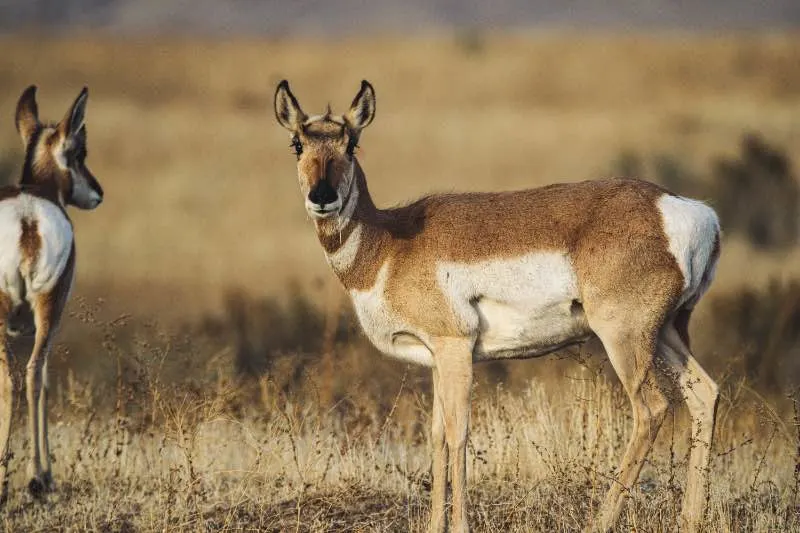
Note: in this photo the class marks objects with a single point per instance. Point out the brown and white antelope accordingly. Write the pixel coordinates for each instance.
(453, 279)
(37, 261)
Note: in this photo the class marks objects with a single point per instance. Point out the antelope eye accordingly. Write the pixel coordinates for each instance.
(298, 146)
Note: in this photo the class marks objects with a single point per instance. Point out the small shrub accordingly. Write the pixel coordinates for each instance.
(666, 169)
(759, 333)
(471, 42)
(629, 164)
(265, 331)
(757, 194)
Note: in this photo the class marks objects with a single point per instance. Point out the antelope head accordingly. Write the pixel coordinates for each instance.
(55, 154)
(325, 147)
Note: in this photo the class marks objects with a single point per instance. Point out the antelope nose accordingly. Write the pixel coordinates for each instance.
(96, 198)
(322, 194)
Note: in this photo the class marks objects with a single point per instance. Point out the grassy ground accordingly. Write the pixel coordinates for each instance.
(170, 437)
(215, 408)
(538, 461)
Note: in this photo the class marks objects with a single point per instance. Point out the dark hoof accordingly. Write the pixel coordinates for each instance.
(47, 481)
(36, 489)
(20, 322)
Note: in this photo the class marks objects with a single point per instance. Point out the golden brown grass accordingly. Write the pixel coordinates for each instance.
(153, 431)
(152, 455)
(156, 430)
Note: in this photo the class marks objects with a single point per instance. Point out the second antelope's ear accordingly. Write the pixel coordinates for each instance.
(287, 110)
(73, 120)
(27, 116)
(362, 110)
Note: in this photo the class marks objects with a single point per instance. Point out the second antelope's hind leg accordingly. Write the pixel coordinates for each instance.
(631, 352)
(38, 467)
(47, 309)
(6, 399)
(700, 394)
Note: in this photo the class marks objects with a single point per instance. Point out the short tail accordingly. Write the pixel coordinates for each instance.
(681, 320)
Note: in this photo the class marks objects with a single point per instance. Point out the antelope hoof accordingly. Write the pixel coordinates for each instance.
(37, 488)
(47, 481)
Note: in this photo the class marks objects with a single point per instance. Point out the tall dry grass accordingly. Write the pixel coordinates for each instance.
(201, 391)
(279, 416)
(208, 452)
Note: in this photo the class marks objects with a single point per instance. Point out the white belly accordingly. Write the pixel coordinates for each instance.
(526, 329)
(518, 307)
(513, 308)
(55, 234)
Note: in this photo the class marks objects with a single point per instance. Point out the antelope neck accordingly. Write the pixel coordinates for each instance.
(342, 236)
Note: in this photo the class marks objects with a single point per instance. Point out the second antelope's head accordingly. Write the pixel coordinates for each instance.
(55, 154)
(325, 147)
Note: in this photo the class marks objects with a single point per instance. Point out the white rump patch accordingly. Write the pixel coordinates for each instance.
(10, 254)
(55, 232)
(692, 228)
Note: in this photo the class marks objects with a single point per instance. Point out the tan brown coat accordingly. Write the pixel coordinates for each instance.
(455, 278)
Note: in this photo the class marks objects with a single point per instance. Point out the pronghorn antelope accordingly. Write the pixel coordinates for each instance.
(453, 279)
(37, 261)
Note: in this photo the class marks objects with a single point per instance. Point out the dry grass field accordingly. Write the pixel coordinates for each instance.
(210, 375)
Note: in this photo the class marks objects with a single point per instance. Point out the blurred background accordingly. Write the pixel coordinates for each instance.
(208, 353)
(203, 234)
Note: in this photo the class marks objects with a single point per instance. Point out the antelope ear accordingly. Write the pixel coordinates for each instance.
(287, 110)
(73, 120)
(362, 110)
(27, 115)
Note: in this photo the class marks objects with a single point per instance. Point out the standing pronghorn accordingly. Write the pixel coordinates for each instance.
(452, 279)
(37, 260)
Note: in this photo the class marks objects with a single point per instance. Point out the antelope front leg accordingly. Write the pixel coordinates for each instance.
(453, 358)
(439, 462)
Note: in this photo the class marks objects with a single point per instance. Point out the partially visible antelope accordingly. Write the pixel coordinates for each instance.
(453, 279)
(37, 261)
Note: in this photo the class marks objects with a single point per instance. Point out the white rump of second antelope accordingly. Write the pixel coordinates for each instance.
(37, 262)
